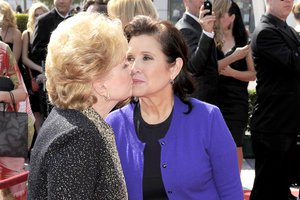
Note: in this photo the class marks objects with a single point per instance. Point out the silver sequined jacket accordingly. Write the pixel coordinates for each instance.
(75, 157)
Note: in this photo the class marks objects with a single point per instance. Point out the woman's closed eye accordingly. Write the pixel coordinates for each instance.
(130, 58)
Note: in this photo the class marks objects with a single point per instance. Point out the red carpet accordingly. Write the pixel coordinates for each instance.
(247, 193)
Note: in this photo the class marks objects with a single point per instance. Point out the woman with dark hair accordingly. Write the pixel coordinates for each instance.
(235, 76)
(95, 6)
(171, 146)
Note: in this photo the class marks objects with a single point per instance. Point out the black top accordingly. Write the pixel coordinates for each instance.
(153, 187)
(34, 72)
(233, 93)
(44, 27)
(11, 45)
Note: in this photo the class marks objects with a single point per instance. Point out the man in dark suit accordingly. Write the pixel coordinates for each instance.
(276, 119)
(44, 27)
(198, 33)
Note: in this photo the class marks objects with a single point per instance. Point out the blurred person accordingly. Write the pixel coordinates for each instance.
(171, 146)
(95, 6)
(9, 32)
(275, 120)
(75, 156)
(19, 9)
(296, 13)
(235, 74)
(10, 166)
(126, 10)
(35, 11)
(44, 26)
(198, 33)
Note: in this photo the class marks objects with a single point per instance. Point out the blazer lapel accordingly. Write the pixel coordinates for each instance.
(192, 22)
(289, 36)
(288, 33)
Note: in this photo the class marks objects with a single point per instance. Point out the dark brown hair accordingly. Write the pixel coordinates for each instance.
(173, 46)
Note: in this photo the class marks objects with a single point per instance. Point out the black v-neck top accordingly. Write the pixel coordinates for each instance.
(153, 187)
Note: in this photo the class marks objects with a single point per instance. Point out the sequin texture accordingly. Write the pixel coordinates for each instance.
(75, 157)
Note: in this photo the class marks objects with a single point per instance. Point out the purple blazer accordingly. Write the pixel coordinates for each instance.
(198, 154)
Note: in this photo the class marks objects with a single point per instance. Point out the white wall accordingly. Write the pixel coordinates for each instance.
(14, 3)
(162, 8)
(259, 8)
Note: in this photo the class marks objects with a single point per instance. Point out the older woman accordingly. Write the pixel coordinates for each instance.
(125, 10)
(171, 146)
(74, 156)
(9, 32)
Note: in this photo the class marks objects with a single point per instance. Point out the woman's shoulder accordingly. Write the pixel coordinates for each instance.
(16, 32)
(119, 113)
(201, 105)
(65, 127)
(25, 32)
(68, 120)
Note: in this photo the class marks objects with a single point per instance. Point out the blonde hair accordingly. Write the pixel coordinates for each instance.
(296, 10)
(31, 15)
(9, 18)
(220, 7)
(126, 10)
(82, 49)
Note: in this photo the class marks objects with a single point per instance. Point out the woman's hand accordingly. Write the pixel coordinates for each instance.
(41, 78)
(241, 52)
(227, 71)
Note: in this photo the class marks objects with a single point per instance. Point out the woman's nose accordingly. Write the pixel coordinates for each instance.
(134, 67)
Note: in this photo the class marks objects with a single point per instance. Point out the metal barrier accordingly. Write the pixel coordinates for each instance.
(14, 180)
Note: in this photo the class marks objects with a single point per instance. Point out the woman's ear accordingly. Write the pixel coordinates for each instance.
(99, 88)
(176, 68)
(232, 18)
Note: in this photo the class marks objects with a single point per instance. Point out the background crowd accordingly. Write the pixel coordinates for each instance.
(162, 106)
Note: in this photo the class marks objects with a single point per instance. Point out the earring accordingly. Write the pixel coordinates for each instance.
(172, 82)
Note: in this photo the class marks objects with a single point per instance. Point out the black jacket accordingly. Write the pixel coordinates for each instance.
(202, 61)
(276, 54)
(72, 159)
(41, 36)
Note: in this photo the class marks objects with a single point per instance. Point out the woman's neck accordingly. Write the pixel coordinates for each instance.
(155, 110)
(103, 107)
(228, 40)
